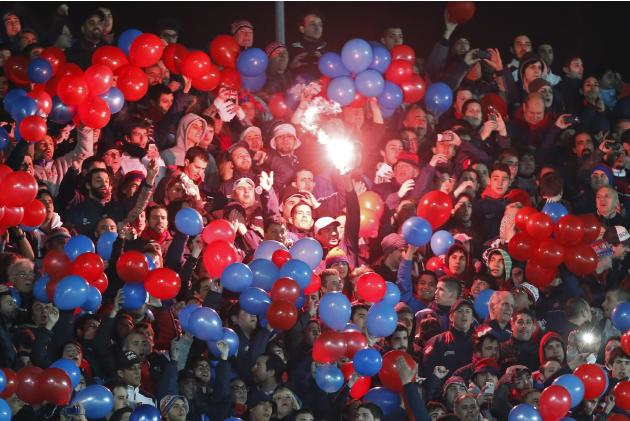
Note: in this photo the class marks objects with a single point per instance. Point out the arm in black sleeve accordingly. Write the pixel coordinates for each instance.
(221, 392)
(67, 189)
(186, 275)
(17, 155)
(173, 258)
(353, 222)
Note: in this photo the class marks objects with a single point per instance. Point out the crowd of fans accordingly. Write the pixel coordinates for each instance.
(556, 135)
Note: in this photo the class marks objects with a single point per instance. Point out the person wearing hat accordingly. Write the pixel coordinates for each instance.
(240, 164)
(405, 172)
(174, 408)
(278, 79)
(128, 371)
(525, 296)
(92, 32)
(618, 239)
(498, 264)
(252, 135)
(522, 347)
(485, 346)
(243, 33)
(393, 246)
(260, 406)
(453, 388)
(282, 160)
(517, 378)
(467, 406)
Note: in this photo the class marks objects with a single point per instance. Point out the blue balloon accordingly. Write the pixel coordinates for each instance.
(351, 327)
(5, 411)
(555, 211)
(205, 324)
(97, 401)
(3, 381)
(184, 315)
(78, 245)
(265, 273)
(297, 270)
(70, 368)
(134, 296)
(367, 362)
(71, 292)
(441, 241)
(574, 386)
(386, 399)
(438, 99)
(93, 301)
(382, 57)
(16, 130)
(150, 261)
(309, 251)
(60, 112)
(4, 139)
(481, 303)
(39, 289)
(145, 413)
(254, 301)
(381, 320)
(391, 97)
(386, 112)
(334, 310)
(299, 303)
(328, 377)
(370, 83)
(188, 221)
(330, 65)
(524, 412)
(115, 99)
(392, 294)
(236, 277)
(104, 244)
(233, 419)
(126, 39)
(231, 338)
(254, 83)
(620, 316)
(252, 62)
(356, 55)
(23, 106)
(11, 97)
(39, 70)
(341, 89)
(266, 248)
(417, 231)
(292, 98)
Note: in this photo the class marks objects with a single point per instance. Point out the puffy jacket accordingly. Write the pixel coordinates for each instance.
(452, 349)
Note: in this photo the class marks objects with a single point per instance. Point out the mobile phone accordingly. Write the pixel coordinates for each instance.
(488, 388)
(572, 119)
(482, 54)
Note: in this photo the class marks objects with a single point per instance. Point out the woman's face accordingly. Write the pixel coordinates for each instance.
(463, 209)
(175, 192)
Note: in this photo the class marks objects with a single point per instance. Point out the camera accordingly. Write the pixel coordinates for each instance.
(492, 113)
(572, 119)
(612, 145)
(481, 55)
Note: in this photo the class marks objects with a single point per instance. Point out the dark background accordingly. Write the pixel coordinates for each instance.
(598, 31)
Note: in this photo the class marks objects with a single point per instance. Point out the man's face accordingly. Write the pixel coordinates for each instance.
(165, 102)
(490, 348)
(443, 296)
(12, 25)
(73, 353)
(462, 318)
(499, 182)
(194, 133)
(522, 45)
(467, 409)
(457, 263)
(244, 37)
(364, 414)
(304, 181)
(177, 411)
(276, 232)
(415, 119)
(259, 370)
(328, 236)
(92, 29)
(112, 159)
(502, 310)
(523, 327)
(304, 417)
(312, 28)
(598, 179)
(311, 332)
(241, 159)
(279, 60)
(8, 307)
(583, 145)
(100, 186)
(239, 391)
(453, 392)
(202, 372)
(132, 375)
(461, 46)
(606, 201)
(393, 148)
(461, 97)
(245, 195)
(545, 51)
(285, 143)
(106, 225)
(399, 340)
(158, 220)
(404, 171)
(139, 137)
(332, 283)
(620, 251)
(426, 287)
(254, 140)
(196, 169)
(553, 350)
(360, 318)
(392, 38)
(120, 398)
(523, 380)
(446, 148)
(45, 148)
(576, 69)
(611, 301)
(247, 322)
(620, 368)
(473, 114)
(302, 217)
(534, 111)
(512, 162)
(169, 35)
(89, 329)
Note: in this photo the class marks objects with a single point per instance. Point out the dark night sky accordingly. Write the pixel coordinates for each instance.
(596, 30)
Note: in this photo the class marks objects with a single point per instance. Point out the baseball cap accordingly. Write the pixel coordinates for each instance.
(323, 223)
(487, 365)
(60, 232)
(453, 381)
(410, 158)
(244, 181)
(250, 129)
(617, 234)
(128, 359)
(167, 402)
(461, 302)
(239, 24)
(531, 290)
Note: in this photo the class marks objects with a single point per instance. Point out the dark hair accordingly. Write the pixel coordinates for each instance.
(118, 414)
(95, 171)
(135, 123)
(500, 167)
(551, 184)
(81, 321)
(155, 207)
(376, 411)
(310, 12)
(276, 364)
(616, 353)
(158, 90)
(300, 412)
(507, 152)
(452, 284)
(432, 405)
(271, 220)
(89, 161)
(196, 152)
(478, 341)
(524, 311)
(424, 272)
(466, 104)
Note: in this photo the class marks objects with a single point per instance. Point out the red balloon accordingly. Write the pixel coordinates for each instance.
(622, 395)
(89, 266)
(99, 78)
(163, 283)
(277, 105)
(434, 263)
(555, 402)
(33, 128)
(581, 260)
(372, 202)
(280, 257)
(11, 383)
(329, 347)
(54, 56)
(72, 90)
(594, 379)
(94, 112)
(282, 315)
(28, 388)
(132, 82)
(460, 12)
(617, 417)
(219, 229)
(285, 289)
(355, 341)
(224, 50)
(50, 288)
(413, 89)
(435, 206)
(12, 216)
(100, 283)
(34, 214)
(625, 342)
(173, 56)
(358, 101)
(146, 50)
(16, 69)
(494, 100)
(522, 246)
(549, 253)
(217, 256)
(132, 266)
(209, 80)
(20, 189)
(592, 228)
(231, 78)
(56, 386)
(539, 226)
(69, 69)
(389, 374)
(539, 276)
(371, 287)
(57, 264)
(110, 56)
(361, 387)
(403, 52)
(347, 369)
(569, 230)
(4, 171)
(43, 100)
(522, 217)
(314, 285)
(368, 224)
(399, 71)
(196, 64)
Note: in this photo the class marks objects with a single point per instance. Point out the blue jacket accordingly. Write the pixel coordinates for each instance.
(452, 349)
(406, 287)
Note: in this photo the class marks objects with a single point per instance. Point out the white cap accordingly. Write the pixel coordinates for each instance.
(323, 223)
(244, 181)
(531, 290)
(281, 129)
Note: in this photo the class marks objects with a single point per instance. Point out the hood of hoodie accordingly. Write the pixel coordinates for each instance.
(528, 59)
(507, 260)
(544, 340)
(179, 150)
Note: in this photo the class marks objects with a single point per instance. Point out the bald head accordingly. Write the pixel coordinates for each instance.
(534, 108)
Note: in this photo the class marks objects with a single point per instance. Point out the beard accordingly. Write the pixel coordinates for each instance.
(101, 194)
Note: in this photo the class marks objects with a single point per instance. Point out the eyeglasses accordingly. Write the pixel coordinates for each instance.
(25, 275)
(243, 388)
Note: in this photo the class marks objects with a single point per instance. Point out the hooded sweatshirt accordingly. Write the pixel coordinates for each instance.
(176, 154)
(545, 340)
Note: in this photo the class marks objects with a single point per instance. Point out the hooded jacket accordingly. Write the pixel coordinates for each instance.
(545, 340)
(176, 154)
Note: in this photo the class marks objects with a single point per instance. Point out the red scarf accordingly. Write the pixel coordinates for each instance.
(150, 235)
(489, 193)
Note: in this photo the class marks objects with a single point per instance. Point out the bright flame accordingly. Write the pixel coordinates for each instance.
(588, 338)
(341, 153)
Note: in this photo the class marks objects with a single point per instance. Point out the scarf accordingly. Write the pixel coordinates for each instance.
(150, 235)
(491, 194)
(134, 150)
